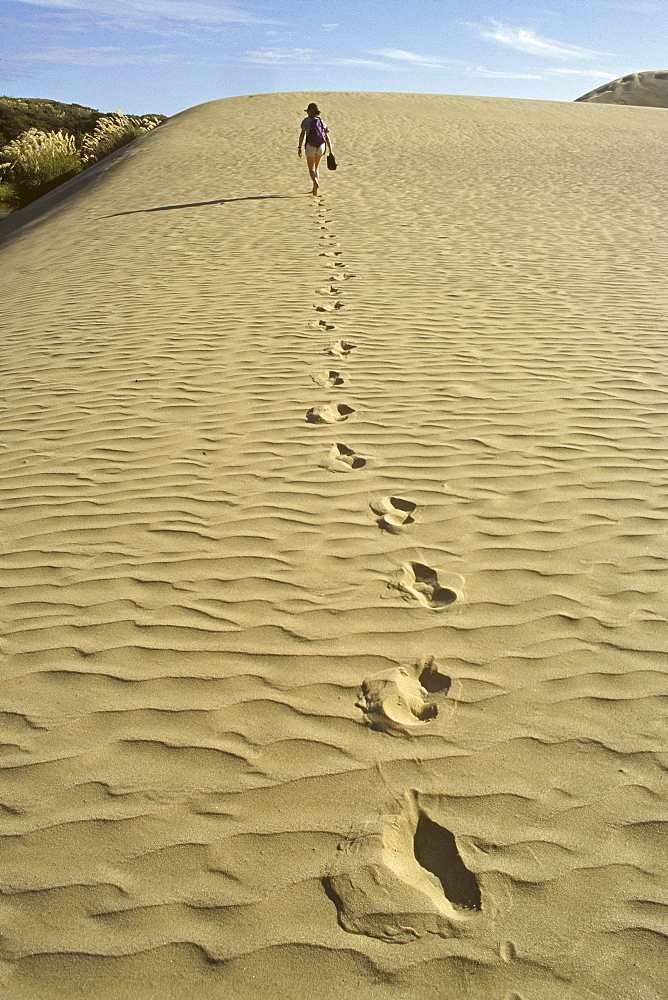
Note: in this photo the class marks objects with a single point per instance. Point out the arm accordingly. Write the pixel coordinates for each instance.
(301, 140)
(329, 144)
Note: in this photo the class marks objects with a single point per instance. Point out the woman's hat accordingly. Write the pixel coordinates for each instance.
(312, 109)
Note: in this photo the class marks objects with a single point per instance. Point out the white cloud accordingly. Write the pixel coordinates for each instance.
(492, 73)
(287, 57)
(102, 56)
(193, 12)
(330, 27)
(272, 57)
(427, 62)
(526, 40)
(598, 73)
(371, 63)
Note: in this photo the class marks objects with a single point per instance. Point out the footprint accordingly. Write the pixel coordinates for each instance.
(341, 458)
(394, 513)
(321, 324)
(435, 850)
(399, 699)
(421, 582)
(335, 305)
(329, 413)
(340, 349)
(404, 876)
(331, 253)
(328, 290)
(330, 378)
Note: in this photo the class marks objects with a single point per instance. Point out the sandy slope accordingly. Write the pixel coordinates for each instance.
(199, 570)
(648, 90)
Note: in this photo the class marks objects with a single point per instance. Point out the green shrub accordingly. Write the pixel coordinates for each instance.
(112, 132)
(36, 162)
(18, 114)
(6, 193)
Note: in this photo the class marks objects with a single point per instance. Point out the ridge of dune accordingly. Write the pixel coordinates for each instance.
(334, 559)
(648, 90)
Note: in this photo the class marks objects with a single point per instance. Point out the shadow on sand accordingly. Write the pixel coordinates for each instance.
(197, 204)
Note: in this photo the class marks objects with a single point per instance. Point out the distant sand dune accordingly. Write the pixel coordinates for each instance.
(649, 90)
(310, 707)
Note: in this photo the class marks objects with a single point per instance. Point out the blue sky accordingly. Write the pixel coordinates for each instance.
(162, 56)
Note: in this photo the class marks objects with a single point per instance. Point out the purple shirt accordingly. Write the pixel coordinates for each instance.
(307, 122)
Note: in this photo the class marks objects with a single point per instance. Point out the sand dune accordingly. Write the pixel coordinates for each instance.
(649, 90)
(334, 560)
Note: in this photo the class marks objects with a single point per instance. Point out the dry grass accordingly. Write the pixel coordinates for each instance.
(36, 157)
(35, 162)
(112, 132)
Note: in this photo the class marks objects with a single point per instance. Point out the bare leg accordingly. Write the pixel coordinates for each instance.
(313, 164)
(317, 172)
(310, 160)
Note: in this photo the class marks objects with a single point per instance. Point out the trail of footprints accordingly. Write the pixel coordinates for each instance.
(396, 700)
(373, 898)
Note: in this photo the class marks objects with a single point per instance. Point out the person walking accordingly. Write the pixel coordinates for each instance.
(317, 138)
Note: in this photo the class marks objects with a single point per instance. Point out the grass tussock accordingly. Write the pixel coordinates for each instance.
(36, 161)
(112, 132)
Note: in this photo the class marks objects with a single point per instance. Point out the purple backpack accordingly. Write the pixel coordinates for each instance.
(316, 133)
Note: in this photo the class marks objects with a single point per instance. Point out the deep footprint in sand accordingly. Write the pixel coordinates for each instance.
(329, 413)
(330, 378)
(335, 305)
(340, 349)
(421, 582)
(405, 875)
(341, 458)
(328, 290)
(331, 253)
(321, 324)
(402, 698)
(394, 513)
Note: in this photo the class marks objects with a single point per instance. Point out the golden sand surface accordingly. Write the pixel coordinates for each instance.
(334, 560)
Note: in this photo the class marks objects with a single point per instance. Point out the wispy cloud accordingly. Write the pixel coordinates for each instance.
(371, 63)
(330, 27)
(143, 12)
(598, 73)
(295, 56)
(401, 55)
(272, 57)
(497, 74)
(417, 61)
(526, 40)
(96, 57)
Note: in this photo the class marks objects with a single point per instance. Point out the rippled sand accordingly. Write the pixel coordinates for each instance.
(334, 560)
